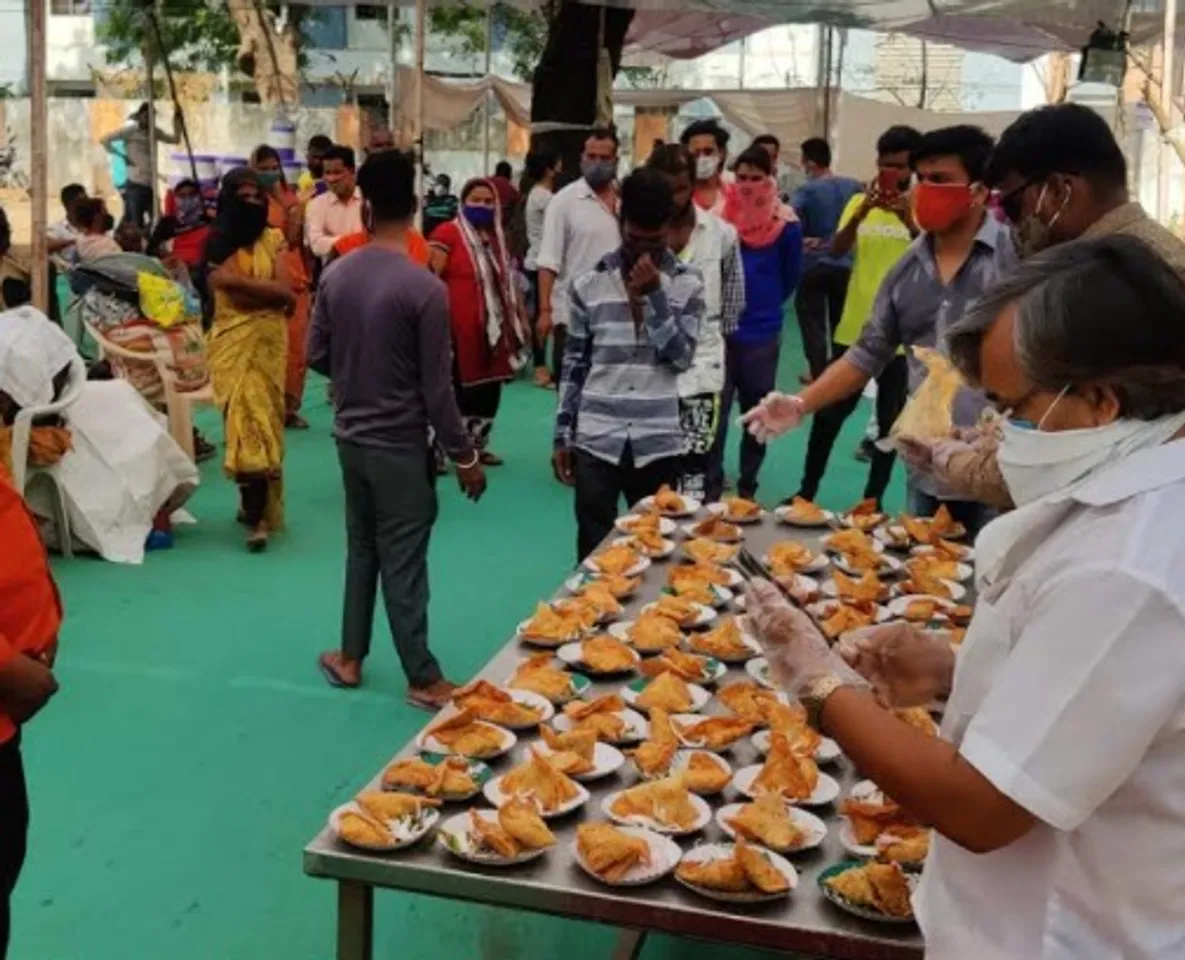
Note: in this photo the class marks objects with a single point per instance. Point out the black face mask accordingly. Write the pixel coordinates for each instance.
(248, 219)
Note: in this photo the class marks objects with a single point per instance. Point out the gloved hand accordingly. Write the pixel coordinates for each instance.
(778, 413)
(797, 652)
(906, 667)
(963, 465)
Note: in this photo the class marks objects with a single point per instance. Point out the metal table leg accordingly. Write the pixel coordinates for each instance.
(629, 945)
(355, 921)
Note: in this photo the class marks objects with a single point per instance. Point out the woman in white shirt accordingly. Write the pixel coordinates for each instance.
(542, 168)
(1057, 786)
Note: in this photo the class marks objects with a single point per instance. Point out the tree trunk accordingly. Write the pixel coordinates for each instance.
(270, 56)
(564, 91)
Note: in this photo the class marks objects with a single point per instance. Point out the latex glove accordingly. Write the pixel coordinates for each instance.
(907, 667)
(797, 652)
(778, 413)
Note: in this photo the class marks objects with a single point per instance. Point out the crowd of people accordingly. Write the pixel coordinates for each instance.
(663, 293)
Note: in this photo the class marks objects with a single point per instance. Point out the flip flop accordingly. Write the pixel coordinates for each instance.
(332, 677)
(421, 702)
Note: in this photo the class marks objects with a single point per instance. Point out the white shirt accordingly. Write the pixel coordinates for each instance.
(327, 219)
(1069, 696)
(536, 210)
(712, 248)
(578, 230)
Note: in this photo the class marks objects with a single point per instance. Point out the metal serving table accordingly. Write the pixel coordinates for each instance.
(803, 923)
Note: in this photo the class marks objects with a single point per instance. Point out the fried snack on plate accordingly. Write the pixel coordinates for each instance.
(921, 611)
(573, 753)
(686, 666)
(363, 830)
(489, 703)
(462, 733)
(523, 823)
(919, 718)
(597, 599)
(706, 775)
(848, 615)
(553, 627)
(605, 654)
(448, 778)
(649, 542)
(933, 565)
(949, 551)
(537, 675)
(394, 806)
(767, 821)
(668, 692)
(872, 814)
(618, 585)
(908, 846)
(537, 780)
(740, 509)
(682, 612)
(717, 528)
(789, 557)
(491, 835)
(882, 887)
(924, 585)
(726, 642)
(868, 589)
(653, 633)
(790, 721)
(709, 551)
(667, 501)
(865, 515)
(617, 560)
(758, 870)
(666, 802)
(610, 853)
(747, 700)
(647, 522)
(786, 773)
(850, 541)
(695, 593)
(943, 524)
(602, 716)
(653, 757)
(699, 573)
(805, 512)
(746, 871)
(960, 614)
(920, 529)
(713, 733)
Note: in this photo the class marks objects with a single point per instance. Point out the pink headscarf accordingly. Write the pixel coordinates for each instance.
(753, 207)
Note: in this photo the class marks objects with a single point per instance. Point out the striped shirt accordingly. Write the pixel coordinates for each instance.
(619, 383)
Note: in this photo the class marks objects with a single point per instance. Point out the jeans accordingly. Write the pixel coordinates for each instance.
(970, 513)
(600, 484)
(14, 829)
(390, 509)
(819, 304)
(891, 388)
(750, 372)
(138, 204)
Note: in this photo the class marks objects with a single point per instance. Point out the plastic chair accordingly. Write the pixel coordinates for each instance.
(23, 474)
(178, 403)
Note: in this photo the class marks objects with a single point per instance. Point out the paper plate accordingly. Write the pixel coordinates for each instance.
(817, 565)
(826, 790)
(846, 520)
(893, 536)
(690, 532)
(900, 605)
(666, 526)
(637, 726)
(848, 840)
(478, 772)
(716, 670)
(405, 832)
(758, 669)
(431, 744)
(492, 791)
(723, 596)
(636, 570)
(782, 514)
(570, 654)
(664, 857)
(825, 608)
(545, 644)
(814, 829)
(828, 750)
(963, 572)
(966, 554)
(957, 591)
(533, 701)
(832, 591)
(683, 759)
(706, 852)
(864, 912)
(621, 630)
(681, 720)
(668, 547)
(750, 642)
(454, 837)
(579, 686)
(721, 510)
(876, 545)
(691, 507)
(607, 761)
(701, 808)
(582, 578)
(705, 615)
(633, 690)
(889, 565)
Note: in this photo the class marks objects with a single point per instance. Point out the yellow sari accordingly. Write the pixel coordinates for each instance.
(248, 355)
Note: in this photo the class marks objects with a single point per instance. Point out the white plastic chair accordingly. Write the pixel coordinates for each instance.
(178, 403)
(23, 475)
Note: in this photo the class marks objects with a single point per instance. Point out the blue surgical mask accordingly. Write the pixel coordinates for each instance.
(479, 216)
(598, 173)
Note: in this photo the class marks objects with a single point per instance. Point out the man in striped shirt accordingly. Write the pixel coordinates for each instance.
(633, 329)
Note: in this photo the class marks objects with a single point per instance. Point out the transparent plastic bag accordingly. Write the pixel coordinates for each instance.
(927, 413)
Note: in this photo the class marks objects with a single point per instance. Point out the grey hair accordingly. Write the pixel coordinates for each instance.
(1089, 312)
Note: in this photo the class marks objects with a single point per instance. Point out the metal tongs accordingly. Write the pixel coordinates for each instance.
(753, 569)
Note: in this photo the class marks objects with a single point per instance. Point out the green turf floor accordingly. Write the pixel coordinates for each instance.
(194, 749)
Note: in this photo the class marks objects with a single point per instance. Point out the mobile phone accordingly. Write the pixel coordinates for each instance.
(888, 183)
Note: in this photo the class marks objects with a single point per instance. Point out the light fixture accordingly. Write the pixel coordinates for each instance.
(1104, 58)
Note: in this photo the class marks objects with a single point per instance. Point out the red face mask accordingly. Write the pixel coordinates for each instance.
(938, 206)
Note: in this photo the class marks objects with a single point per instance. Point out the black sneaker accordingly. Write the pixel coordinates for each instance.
(864, 451)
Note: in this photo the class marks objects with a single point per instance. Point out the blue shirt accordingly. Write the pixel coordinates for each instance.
(819, 204)
(619, 383)
(771, 274)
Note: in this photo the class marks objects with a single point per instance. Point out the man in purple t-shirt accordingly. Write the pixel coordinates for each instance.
(381, 332)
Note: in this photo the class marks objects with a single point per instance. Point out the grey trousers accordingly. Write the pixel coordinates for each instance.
(390, 509)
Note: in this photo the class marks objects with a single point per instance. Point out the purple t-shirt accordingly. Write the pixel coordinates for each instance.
(381, 332)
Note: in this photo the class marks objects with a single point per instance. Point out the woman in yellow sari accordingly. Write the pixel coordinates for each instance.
(285, 213)
(248, 348)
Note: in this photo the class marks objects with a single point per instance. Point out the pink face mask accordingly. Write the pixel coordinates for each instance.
(752, 207)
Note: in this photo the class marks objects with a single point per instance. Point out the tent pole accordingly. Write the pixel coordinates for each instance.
(489, 106)
(392, 65)
(150, 71)
(421, 28)
(38, 123)
(1164, 192)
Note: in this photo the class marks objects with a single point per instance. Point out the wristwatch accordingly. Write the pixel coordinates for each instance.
(815, 693)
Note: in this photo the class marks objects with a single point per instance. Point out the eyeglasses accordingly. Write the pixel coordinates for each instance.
(1010, 202)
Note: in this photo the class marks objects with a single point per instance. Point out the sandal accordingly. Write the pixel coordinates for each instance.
(491, 459)
(327, 664)
(436, 697)
(257, 540)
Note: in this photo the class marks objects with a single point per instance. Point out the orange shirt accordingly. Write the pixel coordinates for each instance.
(30, 608)
(417, 246)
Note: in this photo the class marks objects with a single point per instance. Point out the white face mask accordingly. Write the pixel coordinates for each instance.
(707, 167)
(1037, 463)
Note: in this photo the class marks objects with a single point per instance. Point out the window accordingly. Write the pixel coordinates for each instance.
(70, 8)
(370, 11)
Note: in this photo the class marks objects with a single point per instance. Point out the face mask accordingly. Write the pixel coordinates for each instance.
(939, 206)
(248, 219)
(598, 173)
(1032, 233)
(706, 167)
(269, 178)
(189, 209)
(482, 217)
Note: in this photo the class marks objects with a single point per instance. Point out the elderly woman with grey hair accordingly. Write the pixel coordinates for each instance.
(1056, 788)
